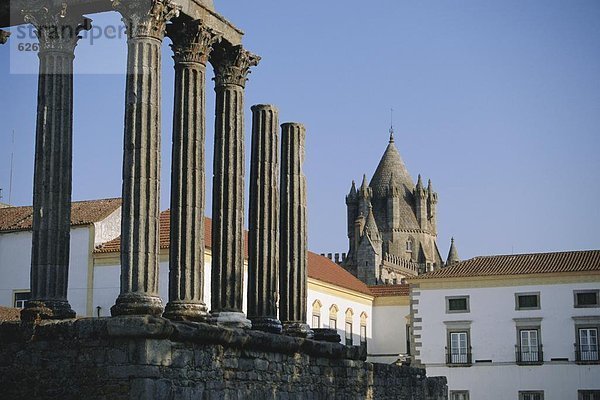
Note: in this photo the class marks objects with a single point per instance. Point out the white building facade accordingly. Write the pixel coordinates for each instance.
(511, 327)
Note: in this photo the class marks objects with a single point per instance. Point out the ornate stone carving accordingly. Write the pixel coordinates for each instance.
(232, 65)
(4, 36)
(146, 18)
(192, 41)
(56, 29)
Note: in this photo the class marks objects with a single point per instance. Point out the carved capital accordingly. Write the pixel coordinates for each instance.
(232, 65)
(146, 18)
(4, 36)
(192, 41)
(55, 27)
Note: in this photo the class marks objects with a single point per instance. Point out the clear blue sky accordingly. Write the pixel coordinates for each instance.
(498, 102)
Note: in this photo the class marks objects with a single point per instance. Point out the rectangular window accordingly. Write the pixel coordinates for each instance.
(332, 323)
(316, 321)
(588, 395)
(348, 333)
(586, 298)
(363, 334)
(531, 395)
(529, 350)
(459, 395)
(527, 301)
(588, 344)
(21, 298)
(457, 304)
(459, 350)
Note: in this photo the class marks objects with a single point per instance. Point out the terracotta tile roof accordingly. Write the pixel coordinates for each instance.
(389, 290)
(323, 269)
(319, 267)
(521, 264)
(82, 213)
(9, 314)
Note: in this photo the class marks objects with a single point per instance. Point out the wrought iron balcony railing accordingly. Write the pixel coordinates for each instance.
(587, 354)
(459, 357)
(529, 355)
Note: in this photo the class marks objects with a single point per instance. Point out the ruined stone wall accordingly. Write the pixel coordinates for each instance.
(152, 358)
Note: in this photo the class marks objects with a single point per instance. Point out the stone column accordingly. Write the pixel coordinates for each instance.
(145, 21)
(293, 241)
(232, 65)
(4, 36)
(57, 31)
(192, 43)
(263, 238)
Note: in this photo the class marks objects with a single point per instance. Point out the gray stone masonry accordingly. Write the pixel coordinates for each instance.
(263, 236)
(231, 65)
(144, 357)
(57, 30)
(192, 43)
(145, 22)
(293, 240)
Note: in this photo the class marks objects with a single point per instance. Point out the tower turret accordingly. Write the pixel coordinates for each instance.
(452, 254)
(420, 203)
(393, 203)
(432, 199)
(352, 214)
(364, 197)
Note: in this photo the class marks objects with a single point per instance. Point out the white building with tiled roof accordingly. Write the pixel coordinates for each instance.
(521, 327)
(336, 299)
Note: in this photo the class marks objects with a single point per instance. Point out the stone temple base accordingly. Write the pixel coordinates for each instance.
(230, 320)
(144, 357)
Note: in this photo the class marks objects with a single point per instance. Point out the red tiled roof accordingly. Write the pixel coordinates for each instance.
(82, 213)
(319, 267)
(389, 290)
(521, 264)
(9, 314)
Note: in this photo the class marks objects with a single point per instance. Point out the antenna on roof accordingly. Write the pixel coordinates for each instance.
(391, 125)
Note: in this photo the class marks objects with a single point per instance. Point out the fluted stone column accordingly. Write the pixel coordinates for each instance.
(293, 240)
(57, 30)
(145, 21)
(263, 237)
(4, 36)
(232, 65)
(192, 43)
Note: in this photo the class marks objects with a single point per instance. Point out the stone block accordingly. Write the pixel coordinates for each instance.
(139, 326)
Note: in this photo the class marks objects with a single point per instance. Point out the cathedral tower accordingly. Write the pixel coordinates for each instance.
(391, 224)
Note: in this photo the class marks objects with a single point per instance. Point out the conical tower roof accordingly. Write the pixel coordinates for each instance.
(452, 254)
(390, 166)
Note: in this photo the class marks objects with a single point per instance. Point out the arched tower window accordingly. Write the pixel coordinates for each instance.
(409, 245)
(316, 314)
(348, 330)
(333, 310)
(363, 328)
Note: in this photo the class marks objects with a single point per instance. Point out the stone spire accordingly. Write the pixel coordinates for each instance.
(452, 254)
(192, 43)
(353, 193)
(263, 236)
(371, 229)
(390, 162)
(293, 240)
(57, 30)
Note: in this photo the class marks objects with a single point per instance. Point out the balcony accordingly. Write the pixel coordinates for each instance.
(459, 357)
(528, 355)
(585, 355)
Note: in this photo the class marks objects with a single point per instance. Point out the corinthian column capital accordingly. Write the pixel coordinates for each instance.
(232, 65)
(146, 18)
(192, 41)
(55, 27)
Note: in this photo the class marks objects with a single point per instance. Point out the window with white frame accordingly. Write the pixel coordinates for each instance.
(333, 310)
(348, 327)
(21, 298)
(459, 348)
(588, 344)
(588, 395)
(586, 298)
(316, 314)
(363, 328)
(529, 348)
(531, 395)
(459, 395)
(457, 304)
